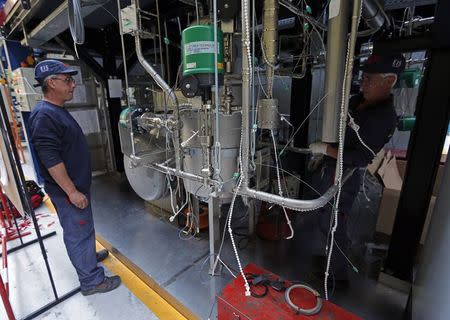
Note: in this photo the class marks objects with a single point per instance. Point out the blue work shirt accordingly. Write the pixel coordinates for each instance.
(57, 137)
(377, 123)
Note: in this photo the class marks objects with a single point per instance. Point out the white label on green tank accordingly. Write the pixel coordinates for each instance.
(191, 65)
(199, 47)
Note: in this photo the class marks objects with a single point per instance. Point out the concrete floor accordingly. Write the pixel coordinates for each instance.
(153, 244)
(30, 287)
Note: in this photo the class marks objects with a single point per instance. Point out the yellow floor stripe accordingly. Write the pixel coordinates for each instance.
(159, 301)
(48, 203)
(154, 301)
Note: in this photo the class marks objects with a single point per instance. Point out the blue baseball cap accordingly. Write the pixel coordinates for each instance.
(50, 67)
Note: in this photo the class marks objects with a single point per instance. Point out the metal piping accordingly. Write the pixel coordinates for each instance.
(5, 46)
(372, 14)
(334, 71)
(294, 204)
(159, 39)
(217, 145)
(124, 56)
(270, 41)
(158, 79)
(418, 22)
(167, 51)
(183, 174)
(166, 88)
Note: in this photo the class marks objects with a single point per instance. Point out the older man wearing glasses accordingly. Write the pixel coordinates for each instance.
(64, 161)
(371, 124)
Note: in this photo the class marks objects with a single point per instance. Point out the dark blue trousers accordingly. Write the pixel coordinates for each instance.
(79, 238)
(348, 195)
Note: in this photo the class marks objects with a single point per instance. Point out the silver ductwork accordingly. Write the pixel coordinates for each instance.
(244, 190)
(270, 41)
(373, 14)
(334, 69)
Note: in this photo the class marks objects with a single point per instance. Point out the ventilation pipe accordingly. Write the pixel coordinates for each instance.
(334, 68)
(270, 41)
(373, 14)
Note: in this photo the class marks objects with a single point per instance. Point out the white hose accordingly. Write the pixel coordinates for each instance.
(76, 24)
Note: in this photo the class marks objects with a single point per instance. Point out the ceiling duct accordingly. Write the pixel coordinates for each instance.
(57, 22)
(372, 14)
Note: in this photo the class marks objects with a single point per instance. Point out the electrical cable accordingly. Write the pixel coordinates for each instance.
(105, 9)
(352, 124)
(280, 190)
(308, 312)
(346, 258)
(303, 122)
(193, 225)
(261, 86)
(298, 12)
(246, 42)
(340, 162)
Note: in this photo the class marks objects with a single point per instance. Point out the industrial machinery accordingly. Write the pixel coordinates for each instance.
(233, 87)
(208, 148)
(205, 137)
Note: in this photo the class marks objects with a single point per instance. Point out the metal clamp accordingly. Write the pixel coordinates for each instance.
(307, 312)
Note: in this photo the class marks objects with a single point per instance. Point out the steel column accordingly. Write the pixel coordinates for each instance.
(424, 151)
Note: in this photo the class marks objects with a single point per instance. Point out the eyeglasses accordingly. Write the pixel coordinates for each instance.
(67, 80)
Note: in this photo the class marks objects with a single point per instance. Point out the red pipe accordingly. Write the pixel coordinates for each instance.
(6, 302)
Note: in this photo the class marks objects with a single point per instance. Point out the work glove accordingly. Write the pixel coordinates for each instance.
(318, 148)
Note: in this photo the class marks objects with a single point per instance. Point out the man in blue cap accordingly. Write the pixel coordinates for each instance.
(64, 162)
(372, 116)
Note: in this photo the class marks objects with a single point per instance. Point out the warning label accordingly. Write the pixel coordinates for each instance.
(199, 47)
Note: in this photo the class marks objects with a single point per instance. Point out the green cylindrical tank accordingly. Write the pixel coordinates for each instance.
(198, 50)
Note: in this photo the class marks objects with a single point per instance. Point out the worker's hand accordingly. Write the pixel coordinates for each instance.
(318, 147)
(78, 199)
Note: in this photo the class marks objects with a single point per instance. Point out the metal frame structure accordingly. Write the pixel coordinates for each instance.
(432, 114)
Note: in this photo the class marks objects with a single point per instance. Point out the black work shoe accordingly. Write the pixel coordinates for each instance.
(108, 284)
(102, 255)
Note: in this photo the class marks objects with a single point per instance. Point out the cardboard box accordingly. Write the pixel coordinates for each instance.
(389, 203)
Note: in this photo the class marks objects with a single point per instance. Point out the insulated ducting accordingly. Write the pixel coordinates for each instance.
(372, 14)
